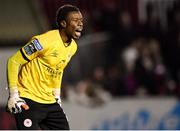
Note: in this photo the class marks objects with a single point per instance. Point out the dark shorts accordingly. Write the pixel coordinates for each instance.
(42, 116)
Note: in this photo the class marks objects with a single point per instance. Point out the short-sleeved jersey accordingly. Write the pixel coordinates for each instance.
(47, 57)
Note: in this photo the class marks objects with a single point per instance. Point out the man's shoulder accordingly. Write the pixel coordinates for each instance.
(74, 45)
(46, 39)
(50, 33)
(74, 42)
(48, 36)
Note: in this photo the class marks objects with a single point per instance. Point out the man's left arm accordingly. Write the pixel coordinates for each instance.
(57, 89)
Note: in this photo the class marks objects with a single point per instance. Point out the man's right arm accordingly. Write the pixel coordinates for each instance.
(27, 53)
(13, 66)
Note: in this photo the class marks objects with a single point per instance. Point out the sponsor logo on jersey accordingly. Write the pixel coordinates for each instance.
(30, 49)
(37, 44)
(33, 47)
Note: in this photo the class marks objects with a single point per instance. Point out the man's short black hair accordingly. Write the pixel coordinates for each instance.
(63, 11)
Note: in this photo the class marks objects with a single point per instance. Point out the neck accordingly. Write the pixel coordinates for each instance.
(64, 37)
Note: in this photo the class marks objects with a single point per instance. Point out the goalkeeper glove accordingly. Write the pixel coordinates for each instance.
(15, 103)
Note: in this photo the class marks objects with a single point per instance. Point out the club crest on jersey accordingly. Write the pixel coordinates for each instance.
(33, 47)
(27, 122)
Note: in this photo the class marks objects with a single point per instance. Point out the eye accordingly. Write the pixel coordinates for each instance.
(77, 20)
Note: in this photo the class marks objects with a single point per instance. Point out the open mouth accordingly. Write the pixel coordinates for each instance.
(78, 32)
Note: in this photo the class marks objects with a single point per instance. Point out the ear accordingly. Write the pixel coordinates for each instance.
(63, 24)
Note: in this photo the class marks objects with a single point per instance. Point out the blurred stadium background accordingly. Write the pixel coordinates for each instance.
(126, 73)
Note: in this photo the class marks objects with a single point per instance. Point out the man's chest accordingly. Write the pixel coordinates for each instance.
(57, 58)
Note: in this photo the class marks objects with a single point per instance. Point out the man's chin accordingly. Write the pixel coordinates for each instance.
(76, 37)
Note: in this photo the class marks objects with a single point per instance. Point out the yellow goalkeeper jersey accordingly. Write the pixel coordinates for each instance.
(47, 57)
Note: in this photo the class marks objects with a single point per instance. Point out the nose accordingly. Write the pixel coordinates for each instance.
(80, 23)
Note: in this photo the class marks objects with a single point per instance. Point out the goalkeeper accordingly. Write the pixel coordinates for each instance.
(35, 73)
